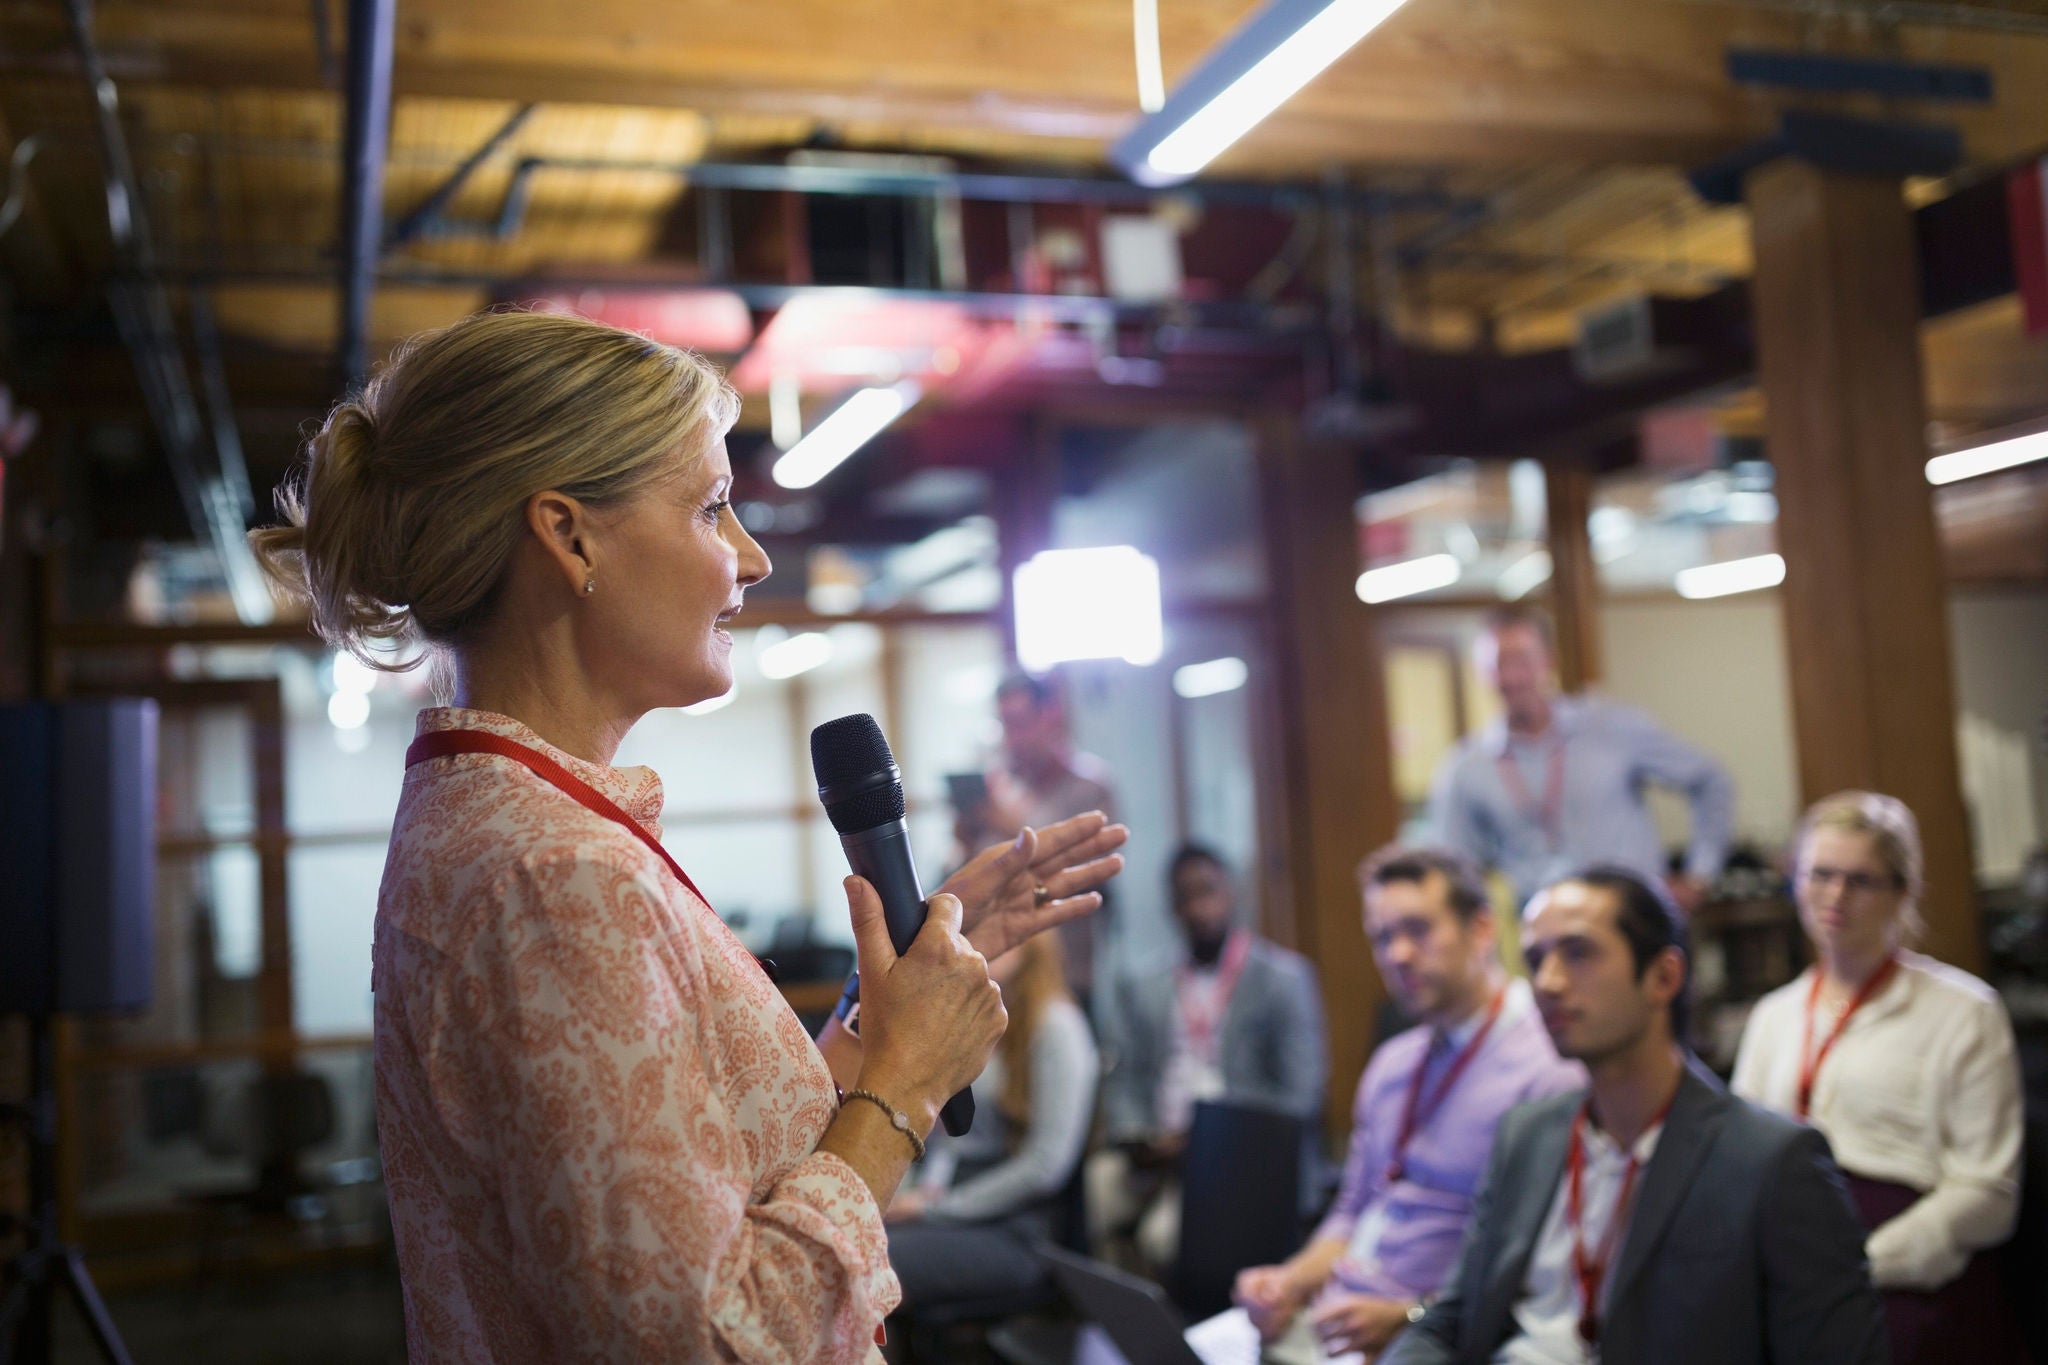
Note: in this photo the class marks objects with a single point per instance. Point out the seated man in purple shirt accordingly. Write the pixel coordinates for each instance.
(1426, 1111)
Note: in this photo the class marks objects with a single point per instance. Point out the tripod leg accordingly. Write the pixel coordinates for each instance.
(25, 1316)
(94, 1309)
(13, 1318)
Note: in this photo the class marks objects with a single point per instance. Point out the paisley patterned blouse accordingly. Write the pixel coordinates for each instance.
(598, 1117)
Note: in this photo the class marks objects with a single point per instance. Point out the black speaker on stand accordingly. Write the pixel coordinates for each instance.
(77, 880)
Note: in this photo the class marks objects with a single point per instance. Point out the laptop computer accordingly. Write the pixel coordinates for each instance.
(1146, 1329)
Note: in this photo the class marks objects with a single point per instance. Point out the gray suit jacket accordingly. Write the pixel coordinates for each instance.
(1743, 1246)
(1272, 1047)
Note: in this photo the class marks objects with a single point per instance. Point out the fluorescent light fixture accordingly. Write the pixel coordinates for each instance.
(1525, 575)
(1145, 36)
(1752, 507)
(1088, 604)
(1254, 71)
(785, 411)
(852, 425)
(247, 587)
(1210, 678)
(1407, 578)
(710, 704)
(352, 674)
(348, 710)
(797, 654)
(1613, 532)
(1731, 576)
(1988, 459)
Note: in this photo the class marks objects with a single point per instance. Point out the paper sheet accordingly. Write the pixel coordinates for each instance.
(1230, 1339)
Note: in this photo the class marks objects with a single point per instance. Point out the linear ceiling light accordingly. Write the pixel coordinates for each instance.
(1525, 575)
(1409, 577)
(797, 654)
(1210, 679)
(1988, 459)
(1254, 71)
(857, 421)
(1731, 576)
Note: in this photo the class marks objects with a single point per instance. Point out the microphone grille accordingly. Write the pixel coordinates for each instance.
(850, 755)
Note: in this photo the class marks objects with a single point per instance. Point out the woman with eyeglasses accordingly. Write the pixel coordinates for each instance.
(1907, 1065)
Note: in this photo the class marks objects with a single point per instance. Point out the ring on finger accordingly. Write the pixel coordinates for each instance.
(1040, 894)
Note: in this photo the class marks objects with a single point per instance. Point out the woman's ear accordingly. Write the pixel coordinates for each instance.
(565, 530)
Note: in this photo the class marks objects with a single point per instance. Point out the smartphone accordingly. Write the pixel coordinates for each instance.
(967, 791)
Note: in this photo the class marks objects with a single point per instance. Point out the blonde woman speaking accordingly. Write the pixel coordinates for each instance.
(605, 1134)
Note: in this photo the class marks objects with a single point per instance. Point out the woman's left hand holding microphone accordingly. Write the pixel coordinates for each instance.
(929, 1018)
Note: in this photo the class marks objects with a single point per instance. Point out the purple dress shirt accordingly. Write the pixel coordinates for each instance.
(1417, 1221)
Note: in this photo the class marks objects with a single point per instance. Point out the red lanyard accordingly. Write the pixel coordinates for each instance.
(1415, 1115)
(1551, 813)
(441, 743)
(1809, 1060)
(1590, 1272)
(1202, 1024)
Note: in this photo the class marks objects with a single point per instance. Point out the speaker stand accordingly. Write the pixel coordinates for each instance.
(47, 1265)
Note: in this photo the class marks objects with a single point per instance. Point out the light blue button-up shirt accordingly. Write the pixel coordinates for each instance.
(1493, 795)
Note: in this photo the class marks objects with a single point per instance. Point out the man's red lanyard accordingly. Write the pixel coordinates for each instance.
(1589, 1271)
(1809, 1060)
(1416, 1115)
(1550, 815)
(441, 743)
(1201, 1023)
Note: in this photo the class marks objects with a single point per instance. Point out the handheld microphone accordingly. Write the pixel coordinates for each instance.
(862, 789)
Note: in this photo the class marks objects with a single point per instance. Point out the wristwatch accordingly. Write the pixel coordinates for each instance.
(1420, 1308)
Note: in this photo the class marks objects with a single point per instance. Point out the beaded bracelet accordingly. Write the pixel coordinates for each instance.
(897, 1118)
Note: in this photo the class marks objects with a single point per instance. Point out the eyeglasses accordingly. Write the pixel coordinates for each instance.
(1861, 883)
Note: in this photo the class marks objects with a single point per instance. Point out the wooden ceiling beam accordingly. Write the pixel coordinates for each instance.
(1443, 80)
(1588, 80)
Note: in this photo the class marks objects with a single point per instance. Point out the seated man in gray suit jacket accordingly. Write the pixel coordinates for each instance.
(1655, 1218)
(1238, 1019)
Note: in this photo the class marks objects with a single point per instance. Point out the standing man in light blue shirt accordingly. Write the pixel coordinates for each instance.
(1558, 782)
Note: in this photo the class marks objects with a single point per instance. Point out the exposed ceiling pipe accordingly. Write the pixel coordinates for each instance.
(435, 204)
(215, 498)
(220, 404)
(1065, 308)
(1024, 189)
(371, 25)
(1908, 13)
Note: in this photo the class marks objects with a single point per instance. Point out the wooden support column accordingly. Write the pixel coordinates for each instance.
(1334, 761)
(1574, 578)
(1866, 605)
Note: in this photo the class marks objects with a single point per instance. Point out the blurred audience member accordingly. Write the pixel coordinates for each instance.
(1238, 1019)
(1908, 1066)
(1426, 1112)
(1654, 1217)
(1557, 783)
(1042, 780)
(964, 1226)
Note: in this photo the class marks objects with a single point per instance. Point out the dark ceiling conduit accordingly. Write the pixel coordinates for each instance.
(212, 482)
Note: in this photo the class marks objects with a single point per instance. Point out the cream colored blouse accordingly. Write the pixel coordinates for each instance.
(1922, 1089)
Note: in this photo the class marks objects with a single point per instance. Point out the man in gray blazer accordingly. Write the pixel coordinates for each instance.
(1655, 1217)
(1238, 1019)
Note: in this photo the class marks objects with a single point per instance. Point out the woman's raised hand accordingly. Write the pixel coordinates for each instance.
(928, 1019)
(999, 888)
